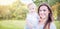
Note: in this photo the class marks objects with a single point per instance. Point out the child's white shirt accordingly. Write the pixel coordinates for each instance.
(33, 18)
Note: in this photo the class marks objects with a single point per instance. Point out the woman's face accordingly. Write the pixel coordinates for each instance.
(43, 12)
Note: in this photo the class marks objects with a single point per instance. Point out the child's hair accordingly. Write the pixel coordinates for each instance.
(31, 4)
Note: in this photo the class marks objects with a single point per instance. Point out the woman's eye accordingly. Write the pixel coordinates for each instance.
(44, 10)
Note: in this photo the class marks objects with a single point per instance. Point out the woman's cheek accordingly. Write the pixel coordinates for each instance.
(46, 14)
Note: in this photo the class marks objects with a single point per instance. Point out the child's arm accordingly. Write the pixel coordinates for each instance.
(29, 24)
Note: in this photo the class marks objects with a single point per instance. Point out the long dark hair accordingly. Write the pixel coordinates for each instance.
(49, 15)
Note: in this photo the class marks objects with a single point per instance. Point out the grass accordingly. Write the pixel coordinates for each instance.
(18, 24)
(12, 24)
(57, 23)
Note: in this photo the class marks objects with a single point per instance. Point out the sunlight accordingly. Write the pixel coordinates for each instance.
(26, 1)
(6, 2)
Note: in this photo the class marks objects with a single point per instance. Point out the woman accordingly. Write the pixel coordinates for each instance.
(46, 18)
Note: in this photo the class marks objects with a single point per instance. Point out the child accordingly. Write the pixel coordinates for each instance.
(32, 17)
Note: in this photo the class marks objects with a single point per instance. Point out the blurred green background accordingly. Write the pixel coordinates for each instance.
(13, 16)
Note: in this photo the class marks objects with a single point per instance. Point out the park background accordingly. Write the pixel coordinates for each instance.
(13, 12)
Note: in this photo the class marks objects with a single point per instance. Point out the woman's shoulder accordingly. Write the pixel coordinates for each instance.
(52, 25)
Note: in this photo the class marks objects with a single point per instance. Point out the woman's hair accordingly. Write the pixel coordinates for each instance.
(49, 15)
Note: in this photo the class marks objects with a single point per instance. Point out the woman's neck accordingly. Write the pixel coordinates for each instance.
(43, 21)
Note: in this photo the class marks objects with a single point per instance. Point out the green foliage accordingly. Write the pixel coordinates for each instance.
(17, 11)
(38, 2)
(58, 13)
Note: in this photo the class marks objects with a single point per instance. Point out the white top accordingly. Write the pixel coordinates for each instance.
(33, 18)
(52, 26)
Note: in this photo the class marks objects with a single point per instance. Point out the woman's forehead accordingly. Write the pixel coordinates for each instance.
(43, 7)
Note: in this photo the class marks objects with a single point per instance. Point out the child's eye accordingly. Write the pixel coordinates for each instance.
(32, 8)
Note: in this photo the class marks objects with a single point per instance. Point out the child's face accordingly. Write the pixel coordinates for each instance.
(31, 8)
